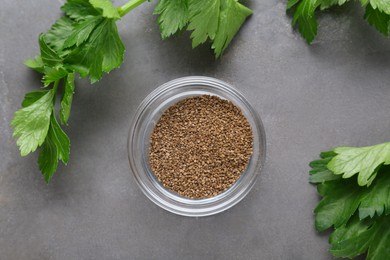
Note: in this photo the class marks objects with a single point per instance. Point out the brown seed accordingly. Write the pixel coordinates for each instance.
(200, 146)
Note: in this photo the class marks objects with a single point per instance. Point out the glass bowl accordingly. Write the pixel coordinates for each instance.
(147, 115)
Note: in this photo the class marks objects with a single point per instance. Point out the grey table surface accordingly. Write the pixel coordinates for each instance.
(311, 98)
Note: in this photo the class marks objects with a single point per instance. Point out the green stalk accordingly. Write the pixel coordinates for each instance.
(55, 87)
(124, 9)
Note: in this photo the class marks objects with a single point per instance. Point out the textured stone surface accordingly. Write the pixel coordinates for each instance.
(311, 98)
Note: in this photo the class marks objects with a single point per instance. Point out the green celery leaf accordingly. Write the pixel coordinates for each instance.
(53, 74)
(377, 198)
(217, 20)
(173, 16)
(327, 154)
(325, 4)
(378, 19)
(82, 31)
(67, 97)
(352, 239)
(305, 19)
(357, 237)
(232, 16)
(203, 20)
(32, 97)
(363, 161)
(35, 64)
(323, 176)
(58, 33)
(79, 9)
(379, 247)
(109, 11)
(320, 172)
(381, 5)
(55, 147)
(49, 56)
(31, 123)
(340, 200)
(342, 197)
(377, 14)
(102, 52)
(291, 3)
